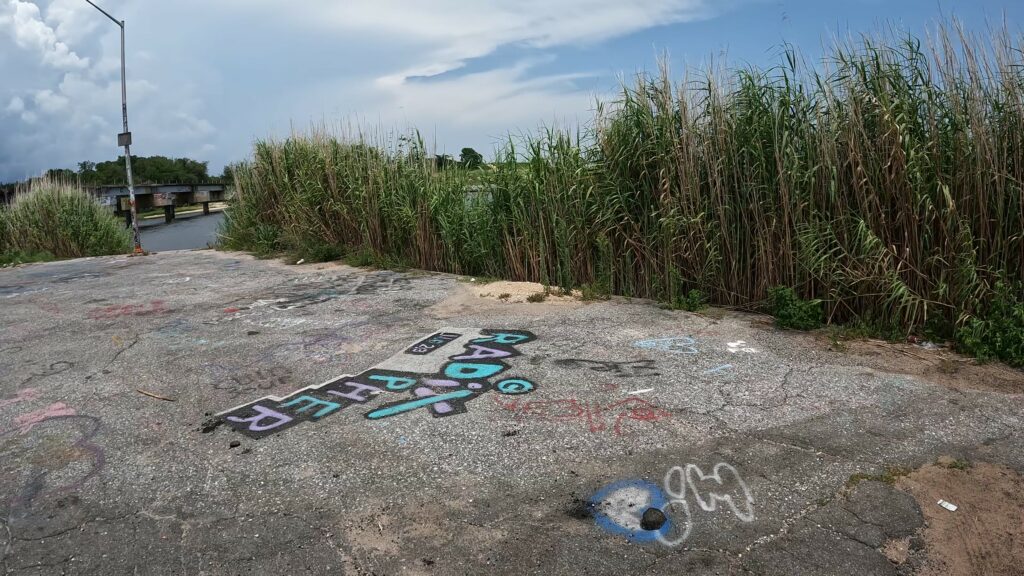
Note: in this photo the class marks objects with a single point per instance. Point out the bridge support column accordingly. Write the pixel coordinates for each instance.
(206, 208)
(169, 214)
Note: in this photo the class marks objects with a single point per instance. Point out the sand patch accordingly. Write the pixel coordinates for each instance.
(470, 298)
(986, 533)
(522, 292)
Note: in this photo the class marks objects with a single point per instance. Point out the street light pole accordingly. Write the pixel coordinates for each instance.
(125, 138)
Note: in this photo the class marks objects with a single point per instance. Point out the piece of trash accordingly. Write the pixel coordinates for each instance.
(157, 396)
(644, 391)
(948, 506)
(472, 279)
(303, 261)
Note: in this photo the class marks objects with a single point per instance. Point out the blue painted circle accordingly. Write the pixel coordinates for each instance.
(657, 500)
(516, 386)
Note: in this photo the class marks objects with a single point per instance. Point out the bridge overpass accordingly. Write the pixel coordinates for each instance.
(168, 196)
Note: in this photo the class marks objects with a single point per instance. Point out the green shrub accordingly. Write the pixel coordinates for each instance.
(58, 220)
(693, 301)
(998, 333)
(16, 257)
(791, 312)
(537, 298)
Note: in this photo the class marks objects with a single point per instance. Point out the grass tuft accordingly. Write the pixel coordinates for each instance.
(53, 220)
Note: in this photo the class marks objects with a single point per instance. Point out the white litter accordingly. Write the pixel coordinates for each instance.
(948, 506)
(645, 391)
(303, 261)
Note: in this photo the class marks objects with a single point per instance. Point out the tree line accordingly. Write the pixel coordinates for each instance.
(145, 170)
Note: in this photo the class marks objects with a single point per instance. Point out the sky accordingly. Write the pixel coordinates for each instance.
(208, 77)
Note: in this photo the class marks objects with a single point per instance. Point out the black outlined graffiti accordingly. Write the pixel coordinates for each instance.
(432, 343)
(464, 377)
(618, 369)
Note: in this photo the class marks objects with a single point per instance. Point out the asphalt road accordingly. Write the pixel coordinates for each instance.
(186, 232)
(209, 413)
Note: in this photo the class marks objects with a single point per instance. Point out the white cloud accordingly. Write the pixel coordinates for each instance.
(455, 30)
(249, 68)
(50, 102)
(16, 106)
(22, 20)
(74, 20)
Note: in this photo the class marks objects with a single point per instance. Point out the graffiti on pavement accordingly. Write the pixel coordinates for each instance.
(645, 512)
(614, 417)
(618, 369)
(442, 385)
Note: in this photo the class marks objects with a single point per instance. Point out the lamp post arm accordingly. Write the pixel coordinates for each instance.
(105, 13)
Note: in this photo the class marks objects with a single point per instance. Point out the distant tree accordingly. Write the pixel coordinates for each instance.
(444, 161)
(471, 158)
(62, 175)
(227, 176)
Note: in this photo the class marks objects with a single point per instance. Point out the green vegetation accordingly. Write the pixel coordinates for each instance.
(692, 301)
(953, 463)
(885, 184)
(471, 159)
(538, 297)
(55, 220)
(16, 257)
(793, 313)
(997, 332)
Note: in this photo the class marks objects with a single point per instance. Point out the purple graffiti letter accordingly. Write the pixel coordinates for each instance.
(356, 393)
(264, 413)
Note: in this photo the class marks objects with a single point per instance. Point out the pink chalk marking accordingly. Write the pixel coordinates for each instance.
(21, 396)
(25, 422)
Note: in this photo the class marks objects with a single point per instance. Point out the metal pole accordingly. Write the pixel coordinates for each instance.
(128, 151)
(126, 136)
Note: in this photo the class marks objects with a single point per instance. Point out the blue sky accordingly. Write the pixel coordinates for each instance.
(206, 77)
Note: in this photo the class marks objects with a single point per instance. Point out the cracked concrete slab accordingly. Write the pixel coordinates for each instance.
(508, 455)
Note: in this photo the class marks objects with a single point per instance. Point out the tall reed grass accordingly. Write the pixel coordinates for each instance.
(886, 182)
(59, 220)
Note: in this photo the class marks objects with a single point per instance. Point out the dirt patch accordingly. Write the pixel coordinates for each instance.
(470, 298)
(941, 366)
(986, 533)
(520, 292)
(897, 551)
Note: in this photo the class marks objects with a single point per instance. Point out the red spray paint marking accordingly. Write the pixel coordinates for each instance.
(597, 417)
(21, 396)
(25, 422)
(113, 312)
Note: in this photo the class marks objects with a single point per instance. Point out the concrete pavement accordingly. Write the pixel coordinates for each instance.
(210, 413)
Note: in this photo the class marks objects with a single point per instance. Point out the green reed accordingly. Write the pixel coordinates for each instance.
(886, 182)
